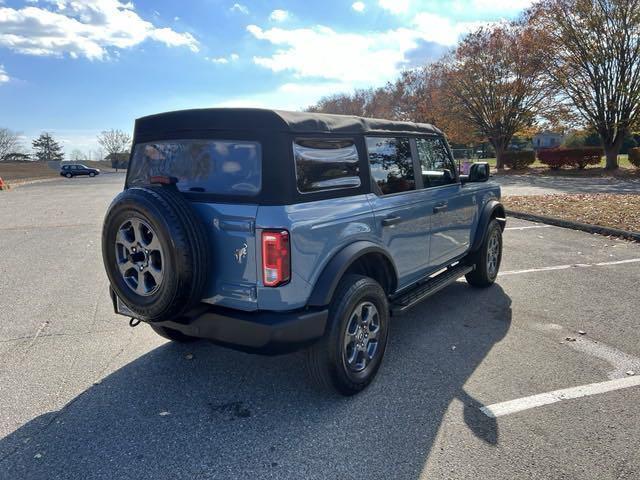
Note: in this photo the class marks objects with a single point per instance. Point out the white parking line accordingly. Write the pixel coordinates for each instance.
(565, 267)
(525, 403)
(529, 227)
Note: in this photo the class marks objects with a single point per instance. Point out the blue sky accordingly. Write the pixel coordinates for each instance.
(76, 67)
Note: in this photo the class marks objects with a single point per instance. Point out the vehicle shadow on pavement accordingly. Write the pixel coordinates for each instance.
(225, 414)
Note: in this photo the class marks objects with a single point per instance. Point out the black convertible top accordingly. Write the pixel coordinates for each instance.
(250, 119)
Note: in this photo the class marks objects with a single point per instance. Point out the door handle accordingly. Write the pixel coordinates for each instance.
(440, 208)
(390, 221)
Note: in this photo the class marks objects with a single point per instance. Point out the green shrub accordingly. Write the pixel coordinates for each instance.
(519, 159)
(634, 156)
(556, 158)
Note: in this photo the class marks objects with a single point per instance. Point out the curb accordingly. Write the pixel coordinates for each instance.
(585, 227)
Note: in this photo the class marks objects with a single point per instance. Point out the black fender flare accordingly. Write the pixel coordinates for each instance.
(328, 280)
(493, 208)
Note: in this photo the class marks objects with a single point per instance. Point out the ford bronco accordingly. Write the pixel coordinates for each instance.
(271, 231)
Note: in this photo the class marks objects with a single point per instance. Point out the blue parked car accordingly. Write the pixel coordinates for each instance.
(271, 231)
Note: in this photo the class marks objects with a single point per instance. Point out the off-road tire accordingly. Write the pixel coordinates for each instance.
(325, 360)
(173, 335)
(186, 261)
(481, 276)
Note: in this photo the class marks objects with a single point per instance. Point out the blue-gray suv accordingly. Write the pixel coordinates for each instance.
(271, 231)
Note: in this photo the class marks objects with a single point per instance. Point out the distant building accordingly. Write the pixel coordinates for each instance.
(547, 140)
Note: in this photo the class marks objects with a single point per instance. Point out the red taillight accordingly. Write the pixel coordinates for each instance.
(276, 258)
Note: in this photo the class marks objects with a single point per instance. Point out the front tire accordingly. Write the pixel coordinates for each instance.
(349, 355)
(92, 174)
(487, 259)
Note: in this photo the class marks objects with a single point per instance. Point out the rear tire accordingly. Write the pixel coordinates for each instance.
(68, 175)
(173, 335)
(174, 243)
(487, 259)
(349, 355)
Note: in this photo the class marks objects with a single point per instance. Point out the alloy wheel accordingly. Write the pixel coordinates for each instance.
(493, 253)
(139, 257)
(361, 338)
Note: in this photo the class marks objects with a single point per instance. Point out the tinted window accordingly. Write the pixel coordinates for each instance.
(326, 164)
(391, 164)
(212, 166)
(437, 167)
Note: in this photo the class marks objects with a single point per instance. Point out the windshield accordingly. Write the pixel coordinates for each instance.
(227, 167)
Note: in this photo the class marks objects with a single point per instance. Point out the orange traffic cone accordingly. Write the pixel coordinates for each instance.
(3, 186)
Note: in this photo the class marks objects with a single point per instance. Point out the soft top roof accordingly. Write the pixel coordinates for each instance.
(247, 119)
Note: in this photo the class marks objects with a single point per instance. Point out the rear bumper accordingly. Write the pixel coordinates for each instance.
(263, 332)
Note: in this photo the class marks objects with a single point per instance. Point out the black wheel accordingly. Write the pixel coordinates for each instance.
(487, 259)
(91, 174)
(347, 358)
(68, 175)
(173, 335)
(155, 252)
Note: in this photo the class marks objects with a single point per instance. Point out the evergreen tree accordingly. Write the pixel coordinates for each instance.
(47, 149)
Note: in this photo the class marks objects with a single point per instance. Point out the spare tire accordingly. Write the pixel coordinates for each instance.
(155, 252)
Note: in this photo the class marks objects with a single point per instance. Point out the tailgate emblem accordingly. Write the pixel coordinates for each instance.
(241, 253)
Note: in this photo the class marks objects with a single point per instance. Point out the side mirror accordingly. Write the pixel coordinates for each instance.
(479, 172)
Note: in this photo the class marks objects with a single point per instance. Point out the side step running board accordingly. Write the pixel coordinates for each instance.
(429, 287)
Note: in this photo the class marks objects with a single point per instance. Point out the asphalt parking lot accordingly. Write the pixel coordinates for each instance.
(85, 396)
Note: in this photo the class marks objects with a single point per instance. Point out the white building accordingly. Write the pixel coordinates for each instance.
(547, 139)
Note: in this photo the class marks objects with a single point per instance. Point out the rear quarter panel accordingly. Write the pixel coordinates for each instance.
(318, 231)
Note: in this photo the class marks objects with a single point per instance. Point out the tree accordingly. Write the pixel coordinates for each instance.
(77, 155)
(593, 56)
(495, 77)
(421, 97)
(115, 142)
(9, 143)
(47, 149)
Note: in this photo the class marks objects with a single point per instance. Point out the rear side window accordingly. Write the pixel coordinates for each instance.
(225, 167)
(326, 164)
(391, 164)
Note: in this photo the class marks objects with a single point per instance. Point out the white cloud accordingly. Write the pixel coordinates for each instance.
(289, 96)
(224, 60)
(238, 7)
(395, 6)
(4, 77)
(371, 58)
(88, 28)
(434, 28)
(279, 15)
(358, 6)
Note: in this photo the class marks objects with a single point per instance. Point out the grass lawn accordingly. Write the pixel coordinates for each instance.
(604, 209)
(15, 171)
(11, 171)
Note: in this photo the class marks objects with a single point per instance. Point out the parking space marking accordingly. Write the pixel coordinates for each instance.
(529, 227)
(573, 265)
(518, 405)
(620, 362)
